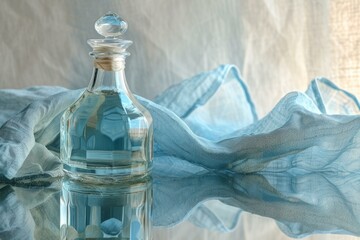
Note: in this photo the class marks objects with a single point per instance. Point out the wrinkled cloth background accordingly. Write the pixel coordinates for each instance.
(306, 134)
(279, 46)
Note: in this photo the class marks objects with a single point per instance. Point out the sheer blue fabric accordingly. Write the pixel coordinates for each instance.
(204, 124)
(208, 120)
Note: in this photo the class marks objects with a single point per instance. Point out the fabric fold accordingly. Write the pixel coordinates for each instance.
(203, 125)
(209, 121)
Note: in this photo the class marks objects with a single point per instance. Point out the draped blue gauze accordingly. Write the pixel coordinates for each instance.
(206, 124)
(208, 120)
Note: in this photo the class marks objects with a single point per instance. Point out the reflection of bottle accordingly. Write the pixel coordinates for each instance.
(119, 211)
(106, 133)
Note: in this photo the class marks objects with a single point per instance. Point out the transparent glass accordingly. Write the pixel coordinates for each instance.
(106, 135)
(118, 211)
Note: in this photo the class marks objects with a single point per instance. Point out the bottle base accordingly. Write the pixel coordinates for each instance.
(107, 175)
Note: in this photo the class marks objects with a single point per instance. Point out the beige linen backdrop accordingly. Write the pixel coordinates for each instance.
(278, 45)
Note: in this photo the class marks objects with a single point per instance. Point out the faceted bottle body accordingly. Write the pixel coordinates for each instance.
(105, 134)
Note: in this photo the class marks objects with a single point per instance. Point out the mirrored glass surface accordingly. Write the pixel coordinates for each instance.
(202, 205)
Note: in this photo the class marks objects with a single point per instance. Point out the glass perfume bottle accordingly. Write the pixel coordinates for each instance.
(106, 135)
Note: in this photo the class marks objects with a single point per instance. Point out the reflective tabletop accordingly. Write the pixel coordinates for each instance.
(209, 205)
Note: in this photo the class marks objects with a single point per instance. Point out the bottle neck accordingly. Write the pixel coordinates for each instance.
(108, 75)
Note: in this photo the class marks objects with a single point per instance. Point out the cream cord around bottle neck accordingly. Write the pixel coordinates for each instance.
(110, 52)
(109, 64)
